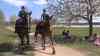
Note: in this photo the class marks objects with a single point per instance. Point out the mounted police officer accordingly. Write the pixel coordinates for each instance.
(43, 25)
(21, 27)
(44, 15)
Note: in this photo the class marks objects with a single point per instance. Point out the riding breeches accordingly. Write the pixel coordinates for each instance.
(24, 37)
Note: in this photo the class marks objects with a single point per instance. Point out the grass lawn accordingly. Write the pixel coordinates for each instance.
(7, 42)
(83, 46)
(7, 36)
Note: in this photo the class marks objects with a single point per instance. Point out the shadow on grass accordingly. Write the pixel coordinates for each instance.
(11, 48)
(81, 45)
(59, 39)
(6, 47)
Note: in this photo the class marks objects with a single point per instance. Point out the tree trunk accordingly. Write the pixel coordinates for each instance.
(90, 25)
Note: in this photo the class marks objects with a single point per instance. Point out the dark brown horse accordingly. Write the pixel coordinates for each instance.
(22, 28)
(43, 28)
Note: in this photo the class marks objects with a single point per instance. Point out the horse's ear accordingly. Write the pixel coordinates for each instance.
(51, 17)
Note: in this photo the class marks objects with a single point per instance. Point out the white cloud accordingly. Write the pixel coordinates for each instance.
(16, 2)
(19, 3)
(40, 2)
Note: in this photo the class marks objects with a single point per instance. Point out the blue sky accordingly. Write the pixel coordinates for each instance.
(11, 7)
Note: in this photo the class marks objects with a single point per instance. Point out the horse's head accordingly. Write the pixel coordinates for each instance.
(48, 18)
(30, 13)
(41, 23)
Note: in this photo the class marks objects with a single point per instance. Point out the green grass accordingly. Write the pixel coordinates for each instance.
(7, 42)
(7, 39)
(6, 35)
(85, 47)
(88, 48)
(80, 32)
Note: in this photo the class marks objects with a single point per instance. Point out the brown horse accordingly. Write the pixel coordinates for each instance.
(43, 28)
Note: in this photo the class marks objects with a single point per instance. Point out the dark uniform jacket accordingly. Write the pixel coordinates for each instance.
(21, 23)
(45, 17)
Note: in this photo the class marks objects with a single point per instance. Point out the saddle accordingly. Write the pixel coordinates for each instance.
(20, 25)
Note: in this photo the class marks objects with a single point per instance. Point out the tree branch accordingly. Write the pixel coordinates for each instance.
(85, 18)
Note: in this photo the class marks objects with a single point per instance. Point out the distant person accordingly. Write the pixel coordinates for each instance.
(86, 38)
(66, 35)
(44, 15)
(93, 37)
(97, 41)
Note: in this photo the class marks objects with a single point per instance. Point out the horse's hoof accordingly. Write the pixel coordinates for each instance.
(54, 52)
(21, 53)
(43, 48)
(36, 41)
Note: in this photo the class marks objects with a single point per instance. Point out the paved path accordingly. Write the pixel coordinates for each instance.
(60, 51)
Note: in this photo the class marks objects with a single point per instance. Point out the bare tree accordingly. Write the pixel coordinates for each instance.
(56, 7)
(75, 9)
(85, 9)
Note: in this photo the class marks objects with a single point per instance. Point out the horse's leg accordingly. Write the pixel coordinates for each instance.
(27, 38)
(21, 36)
(35, 36)
(51, 43)
(27, 44)
(43, 41)
(21, 45)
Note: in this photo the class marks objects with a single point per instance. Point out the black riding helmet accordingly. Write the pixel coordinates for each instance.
(22, 7)
(44, 10)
